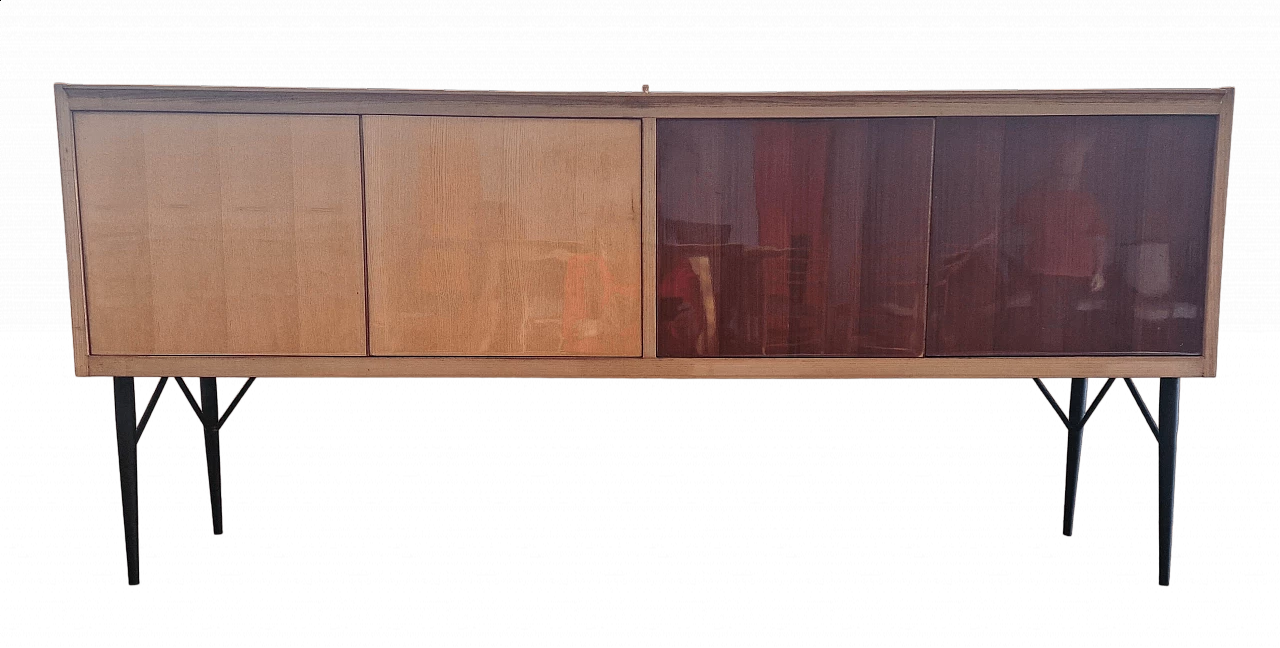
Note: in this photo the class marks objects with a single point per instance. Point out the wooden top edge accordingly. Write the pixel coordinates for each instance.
(634, 98)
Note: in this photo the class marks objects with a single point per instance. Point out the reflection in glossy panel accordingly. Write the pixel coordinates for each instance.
(503, 237)
(792, 237)
(1070, 235)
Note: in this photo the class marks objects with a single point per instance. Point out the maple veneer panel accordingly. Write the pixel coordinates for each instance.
(1070, 235)
(221, 234)
(793, 237)
(503, 236)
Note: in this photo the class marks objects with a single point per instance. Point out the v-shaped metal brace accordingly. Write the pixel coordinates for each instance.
(1136, 393)
(219, 420)
(1165, 432)
(129, 431)
(1074, 421)
(151, 406)
(1057, 409)
(213, 421)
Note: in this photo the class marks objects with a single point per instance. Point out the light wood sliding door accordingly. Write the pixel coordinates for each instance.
(221, 234)
(503, 237)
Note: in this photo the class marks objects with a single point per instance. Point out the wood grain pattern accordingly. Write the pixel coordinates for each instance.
(649, 217)
(72, 98)
(1213, 284)
(646, 104)
(793, 237)
(503, 236)
(71, 223)
(221, 234)
(926, 367)
(1070, 235)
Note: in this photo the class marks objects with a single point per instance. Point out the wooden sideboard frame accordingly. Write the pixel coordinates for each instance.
(648, 107)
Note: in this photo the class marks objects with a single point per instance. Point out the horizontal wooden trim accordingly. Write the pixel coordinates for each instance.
(1023, 367)
(643, 104)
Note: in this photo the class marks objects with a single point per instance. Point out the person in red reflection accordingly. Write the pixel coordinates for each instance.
(1065, 251)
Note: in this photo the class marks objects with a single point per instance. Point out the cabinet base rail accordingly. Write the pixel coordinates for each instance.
(129, 430)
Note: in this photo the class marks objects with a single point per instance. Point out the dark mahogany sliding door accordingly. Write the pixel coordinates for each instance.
(1070, 235)
(793, 237)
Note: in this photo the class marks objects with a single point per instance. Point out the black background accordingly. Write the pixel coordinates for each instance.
(467, 489)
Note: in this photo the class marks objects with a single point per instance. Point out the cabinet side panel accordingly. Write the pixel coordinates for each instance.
(1213, 288)
(503, 237)
(222, 234)
(71, 224)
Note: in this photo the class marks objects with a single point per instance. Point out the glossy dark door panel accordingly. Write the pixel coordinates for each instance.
(1070, 235)
(793, 237)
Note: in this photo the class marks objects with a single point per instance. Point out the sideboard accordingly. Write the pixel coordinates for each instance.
(250, 232)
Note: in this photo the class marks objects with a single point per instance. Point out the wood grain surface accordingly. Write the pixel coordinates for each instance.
(164, 294)
(503, 237)
(649, 227)
(578, 367)
(71, 225)
(1213, 285)
(221, 234)
(647, 104)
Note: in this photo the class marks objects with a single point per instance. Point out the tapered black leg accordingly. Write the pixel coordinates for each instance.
(209, 412)
(1168, 456)
(127, 447)
(1075, 436)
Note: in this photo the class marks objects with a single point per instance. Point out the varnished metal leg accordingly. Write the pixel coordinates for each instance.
(127, 447)
(1169, 388)
(1075, 436)
(209, 414)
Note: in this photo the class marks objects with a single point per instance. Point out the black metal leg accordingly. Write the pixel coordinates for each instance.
(1075, 420)
(127, 447)
(1168, 456)
(1075, 436)
(209, 413)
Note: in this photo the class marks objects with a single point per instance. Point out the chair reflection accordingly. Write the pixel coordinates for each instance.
(529, 294)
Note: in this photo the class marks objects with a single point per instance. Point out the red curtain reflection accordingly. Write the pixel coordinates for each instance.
(792, 237)
(790, 175)
(1070, 235)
